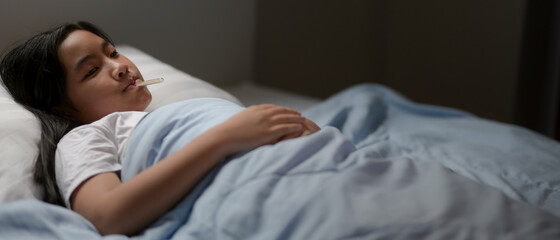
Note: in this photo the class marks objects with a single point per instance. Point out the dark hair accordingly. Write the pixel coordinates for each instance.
(33, 74)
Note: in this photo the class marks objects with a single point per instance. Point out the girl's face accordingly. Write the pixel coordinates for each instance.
(99, 80)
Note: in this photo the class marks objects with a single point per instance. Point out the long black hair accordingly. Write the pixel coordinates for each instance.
(33, 74)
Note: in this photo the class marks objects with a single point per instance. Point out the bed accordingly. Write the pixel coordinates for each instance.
(382, 167)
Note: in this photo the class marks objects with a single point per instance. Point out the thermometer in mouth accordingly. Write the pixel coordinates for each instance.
(150, 82)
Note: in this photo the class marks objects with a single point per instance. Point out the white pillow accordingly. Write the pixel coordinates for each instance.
(19, 135)
(20, 130)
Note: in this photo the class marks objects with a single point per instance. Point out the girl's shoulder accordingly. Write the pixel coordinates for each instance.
(112, 126)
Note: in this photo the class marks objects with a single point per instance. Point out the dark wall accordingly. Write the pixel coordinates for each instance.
(462, 54)
(212, 40)
(318, 47)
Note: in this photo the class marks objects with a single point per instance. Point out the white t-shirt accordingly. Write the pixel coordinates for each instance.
(92, 149)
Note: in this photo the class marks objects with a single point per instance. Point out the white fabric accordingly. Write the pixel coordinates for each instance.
(19, 135)
(92, 149)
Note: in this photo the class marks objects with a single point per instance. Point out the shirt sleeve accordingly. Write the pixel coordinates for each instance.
(82, 154)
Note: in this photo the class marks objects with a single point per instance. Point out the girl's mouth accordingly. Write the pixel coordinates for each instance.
(132, 84)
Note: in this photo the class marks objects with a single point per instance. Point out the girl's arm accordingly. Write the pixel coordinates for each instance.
(127, 208)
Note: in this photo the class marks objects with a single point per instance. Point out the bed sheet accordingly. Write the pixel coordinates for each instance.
(382, 167)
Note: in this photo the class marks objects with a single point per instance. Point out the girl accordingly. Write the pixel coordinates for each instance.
(83, 92)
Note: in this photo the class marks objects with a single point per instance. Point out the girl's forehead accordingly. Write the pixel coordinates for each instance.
(77, 46)
(81, 39)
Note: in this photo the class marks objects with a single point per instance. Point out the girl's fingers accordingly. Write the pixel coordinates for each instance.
(292, 135)
(282, 123)
(287, 118)
(286, 128)
(281, 131)
(311, 125)
(278, 110)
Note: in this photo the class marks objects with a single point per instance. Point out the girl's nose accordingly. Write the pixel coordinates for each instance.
(119, 70)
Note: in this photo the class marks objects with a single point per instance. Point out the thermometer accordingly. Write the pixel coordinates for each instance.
(150, 82)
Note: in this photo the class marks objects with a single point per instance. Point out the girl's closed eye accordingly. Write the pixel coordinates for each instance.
(91, 72)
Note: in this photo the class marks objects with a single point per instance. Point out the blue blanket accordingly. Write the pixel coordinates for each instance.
(382, 167)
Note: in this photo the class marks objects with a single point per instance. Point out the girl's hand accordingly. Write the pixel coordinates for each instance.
(309, 127)
(262, 124)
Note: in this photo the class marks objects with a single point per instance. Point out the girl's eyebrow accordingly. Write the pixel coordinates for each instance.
(81, 62)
